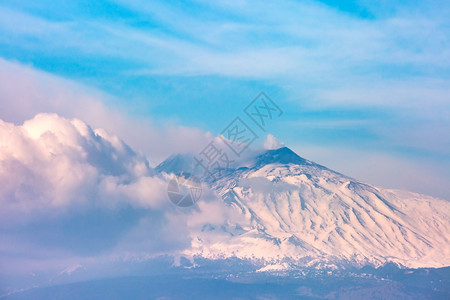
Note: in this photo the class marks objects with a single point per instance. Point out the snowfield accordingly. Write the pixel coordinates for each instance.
(288, 210)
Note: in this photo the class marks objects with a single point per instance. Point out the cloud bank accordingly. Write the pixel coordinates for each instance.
(74, 195)
(52, 162)
(74, 198)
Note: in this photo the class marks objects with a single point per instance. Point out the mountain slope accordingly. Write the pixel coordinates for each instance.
(290, 211)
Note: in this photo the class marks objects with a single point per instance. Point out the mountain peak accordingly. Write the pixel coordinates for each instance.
(176, 163)
(282, 155)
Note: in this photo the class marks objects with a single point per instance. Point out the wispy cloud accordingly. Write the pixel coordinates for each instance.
(316, 56)
(310, 38)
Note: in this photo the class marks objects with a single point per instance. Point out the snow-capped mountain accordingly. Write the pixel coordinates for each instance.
(287, 211)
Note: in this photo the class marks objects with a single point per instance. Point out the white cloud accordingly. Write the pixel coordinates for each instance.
(272, 142)
(52, 162)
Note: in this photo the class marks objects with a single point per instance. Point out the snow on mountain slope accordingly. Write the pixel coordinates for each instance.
(286, 208)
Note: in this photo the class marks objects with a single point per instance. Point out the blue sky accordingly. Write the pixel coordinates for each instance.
(364, 84)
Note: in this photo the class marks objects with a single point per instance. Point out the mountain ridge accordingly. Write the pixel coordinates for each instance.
(294, 209)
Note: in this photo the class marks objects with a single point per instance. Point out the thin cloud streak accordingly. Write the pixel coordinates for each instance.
(395, 60)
